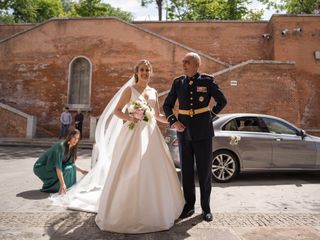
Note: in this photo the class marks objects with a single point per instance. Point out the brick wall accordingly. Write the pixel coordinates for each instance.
(12, 125)
(299, 46)
(34, 66)
(11, 29)
(262, 87)
(34, 75)
(229, 41)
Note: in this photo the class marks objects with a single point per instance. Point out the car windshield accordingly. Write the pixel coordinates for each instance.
(279, 127)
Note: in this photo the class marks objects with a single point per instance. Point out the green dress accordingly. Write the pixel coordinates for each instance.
(45, 168)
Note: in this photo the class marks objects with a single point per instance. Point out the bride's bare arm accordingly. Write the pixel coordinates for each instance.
(158, 115)
(124, 99)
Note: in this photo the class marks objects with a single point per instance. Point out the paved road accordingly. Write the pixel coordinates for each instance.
(255, 206)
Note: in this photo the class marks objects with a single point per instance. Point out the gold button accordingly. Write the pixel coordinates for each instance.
(191, 92)
(191, 104)
(191, 98)
(191, 82)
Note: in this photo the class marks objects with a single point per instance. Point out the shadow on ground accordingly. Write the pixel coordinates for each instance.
(79, 225)
(33, 195)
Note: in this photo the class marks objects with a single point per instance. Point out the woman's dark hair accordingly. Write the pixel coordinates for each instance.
(74, 149)
(136, 68)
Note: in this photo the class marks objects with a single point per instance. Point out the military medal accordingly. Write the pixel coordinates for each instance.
(201, 98)
(202, 89)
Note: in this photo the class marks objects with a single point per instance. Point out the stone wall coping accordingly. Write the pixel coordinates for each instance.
(294, 15)
(31, 120)
(229, 21)
(202, 21)
(130, 24)
(16, 24)
(274, 16)
(14, 110)
(252, 62)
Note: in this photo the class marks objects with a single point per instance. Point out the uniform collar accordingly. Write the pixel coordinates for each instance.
(193, 77)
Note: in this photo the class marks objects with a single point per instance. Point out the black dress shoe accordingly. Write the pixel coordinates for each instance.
(186, 213)
(207, 216)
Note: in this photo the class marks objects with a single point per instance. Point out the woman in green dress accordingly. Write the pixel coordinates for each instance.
(56, 167)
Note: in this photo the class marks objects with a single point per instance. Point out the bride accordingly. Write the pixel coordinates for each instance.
(133, 186)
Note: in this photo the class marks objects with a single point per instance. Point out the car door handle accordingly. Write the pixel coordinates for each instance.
(278, 139)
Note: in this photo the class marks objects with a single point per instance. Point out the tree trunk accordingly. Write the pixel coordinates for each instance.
(159, 3)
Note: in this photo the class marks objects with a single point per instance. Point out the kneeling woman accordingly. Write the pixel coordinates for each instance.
(56, 167)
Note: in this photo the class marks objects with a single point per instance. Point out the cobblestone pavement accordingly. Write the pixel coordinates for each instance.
(80, 225)
(254, 207)
(220, 219)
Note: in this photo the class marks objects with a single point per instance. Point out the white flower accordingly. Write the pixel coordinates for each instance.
(131, 108)
(234, 140)
(141, 109)
(149, 114)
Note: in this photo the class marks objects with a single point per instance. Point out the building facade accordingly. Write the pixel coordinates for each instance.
(270, 67)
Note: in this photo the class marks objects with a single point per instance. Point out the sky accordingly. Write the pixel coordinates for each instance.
(151, 12)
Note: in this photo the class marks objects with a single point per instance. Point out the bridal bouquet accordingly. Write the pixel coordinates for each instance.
(140, 110)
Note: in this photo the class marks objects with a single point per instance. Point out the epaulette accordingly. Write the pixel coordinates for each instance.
(208, 76)
(180, 77)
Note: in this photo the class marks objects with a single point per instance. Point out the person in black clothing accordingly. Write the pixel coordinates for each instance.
(194, 91)
(79, 121)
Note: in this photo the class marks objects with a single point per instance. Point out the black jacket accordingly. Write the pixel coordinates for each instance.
(194, 93)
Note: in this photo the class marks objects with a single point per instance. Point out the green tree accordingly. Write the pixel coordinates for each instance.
(46, 9)
(293, 6)
(23, 10)
(159, 5)
(68, 6)
(94, 8)
(253, 15)
(6, 18)
(31, 10)
(40, 10)
(4, 4)
(212, 9)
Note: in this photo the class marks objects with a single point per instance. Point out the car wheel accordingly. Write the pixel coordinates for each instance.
(225, 166)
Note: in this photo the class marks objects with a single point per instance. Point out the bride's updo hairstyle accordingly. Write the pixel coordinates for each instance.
(136, 68)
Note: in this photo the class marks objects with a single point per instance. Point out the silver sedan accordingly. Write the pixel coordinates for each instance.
(255, 142)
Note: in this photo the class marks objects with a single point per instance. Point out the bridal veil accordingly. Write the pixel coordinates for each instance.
(86, 193)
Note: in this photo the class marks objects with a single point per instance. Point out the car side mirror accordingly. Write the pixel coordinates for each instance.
(302, 133)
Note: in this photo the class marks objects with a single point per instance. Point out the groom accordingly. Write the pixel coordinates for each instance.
(194, 129)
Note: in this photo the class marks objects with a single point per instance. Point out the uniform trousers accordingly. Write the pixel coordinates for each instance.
(199, 151)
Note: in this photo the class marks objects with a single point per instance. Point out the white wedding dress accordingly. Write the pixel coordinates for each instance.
(133, 185)
(142, 192)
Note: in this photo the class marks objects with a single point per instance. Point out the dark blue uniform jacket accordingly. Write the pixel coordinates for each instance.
(194, 93)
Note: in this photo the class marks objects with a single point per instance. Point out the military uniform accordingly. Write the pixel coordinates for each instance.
(194, 95)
